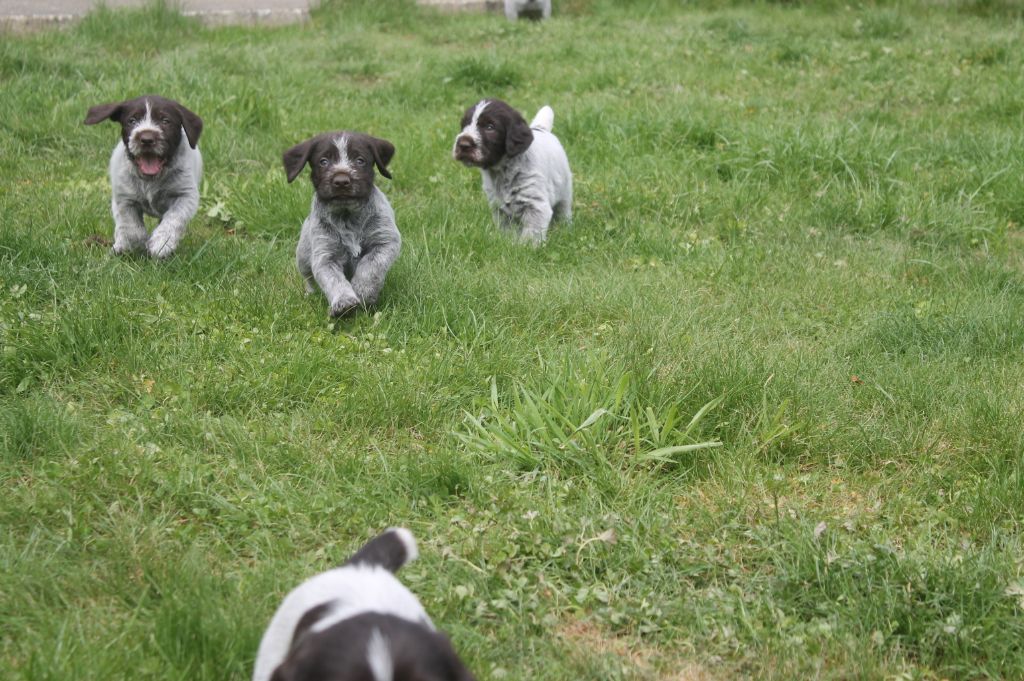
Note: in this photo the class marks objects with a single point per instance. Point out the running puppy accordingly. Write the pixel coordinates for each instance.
(350, 239)
(524, 167)
(358, 623)
(155, 170)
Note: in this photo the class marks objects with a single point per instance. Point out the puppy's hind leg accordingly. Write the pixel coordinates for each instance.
(563, 211)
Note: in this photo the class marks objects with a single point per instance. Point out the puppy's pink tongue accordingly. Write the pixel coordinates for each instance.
(150, 166)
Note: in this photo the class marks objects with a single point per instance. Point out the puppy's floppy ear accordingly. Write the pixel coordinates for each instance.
(518, 136)
(102, 112)
(383, 152)
(193, 125)
(295, 158)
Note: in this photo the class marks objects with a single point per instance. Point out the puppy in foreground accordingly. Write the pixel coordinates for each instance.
(524, 167)
(358, 623)
(155, 170)
(350, 240)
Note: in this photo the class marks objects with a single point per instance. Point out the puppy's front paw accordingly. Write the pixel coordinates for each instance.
(534, 239)
(344, 304)
(159, 248)
(126, 247)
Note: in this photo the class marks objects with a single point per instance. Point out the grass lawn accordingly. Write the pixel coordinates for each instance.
(798, 238)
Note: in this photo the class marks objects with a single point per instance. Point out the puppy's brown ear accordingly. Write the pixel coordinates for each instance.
(193, 125)
(518, 136)
(295, 158)
(102, 112)
(383, 152)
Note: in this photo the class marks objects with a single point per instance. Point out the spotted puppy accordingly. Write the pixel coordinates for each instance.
(155, 170)
(350, 239)
(531, 9)
(358, 623)
(525, 171)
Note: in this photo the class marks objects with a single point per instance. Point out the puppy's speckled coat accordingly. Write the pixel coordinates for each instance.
(155, 170)
(349, 240)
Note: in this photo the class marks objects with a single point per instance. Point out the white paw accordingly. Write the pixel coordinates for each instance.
(122, 247)
(344, 304)
(160, 248)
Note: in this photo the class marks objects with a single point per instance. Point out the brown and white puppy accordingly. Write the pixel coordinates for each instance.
(349, 240)
(357, 622)
(525, 171)
(155, 170)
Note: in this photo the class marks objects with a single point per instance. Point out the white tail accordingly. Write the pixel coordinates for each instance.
(544, 120)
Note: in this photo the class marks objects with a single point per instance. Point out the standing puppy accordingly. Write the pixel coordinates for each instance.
(350, 239)
(358, 623)
(525, 171)
(531, 9)
(155, 171)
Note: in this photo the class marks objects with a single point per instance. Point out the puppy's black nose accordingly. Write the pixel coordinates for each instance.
(341, 181)
(147, 139)
(465, 144)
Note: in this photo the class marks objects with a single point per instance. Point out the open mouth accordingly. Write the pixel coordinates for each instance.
(150, 166)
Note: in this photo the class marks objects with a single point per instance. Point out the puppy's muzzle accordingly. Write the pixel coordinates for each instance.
(147, 139)
(465, 149)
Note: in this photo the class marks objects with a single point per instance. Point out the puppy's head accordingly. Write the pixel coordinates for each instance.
(342, 163)
(151, 129)
(371, 647)
(491, 131)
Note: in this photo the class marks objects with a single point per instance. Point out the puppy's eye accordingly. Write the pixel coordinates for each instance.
(324, 163)
(132, 120)
(360, 161)
(165, 120)
(489, 127)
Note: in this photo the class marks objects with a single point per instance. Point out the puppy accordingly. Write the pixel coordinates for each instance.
(358, 623)
(525, 171)
(531, 9)
(350, 240)
(155, 170)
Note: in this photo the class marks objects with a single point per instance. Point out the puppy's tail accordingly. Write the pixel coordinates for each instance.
(544, 120)
(390, 550)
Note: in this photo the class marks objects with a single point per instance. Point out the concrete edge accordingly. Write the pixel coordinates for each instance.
(29, 23)
(463, 5)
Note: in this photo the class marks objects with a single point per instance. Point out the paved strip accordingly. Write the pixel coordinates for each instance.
(31, 15)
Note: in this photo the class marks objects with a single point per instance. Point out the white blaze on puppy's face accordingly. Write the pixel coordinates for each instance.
(473, 129)
(471, 133)
(144, 125)
(343, 163)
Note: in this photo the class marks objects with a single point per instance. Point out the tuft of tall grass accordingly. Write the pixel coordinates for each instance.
(580, 425)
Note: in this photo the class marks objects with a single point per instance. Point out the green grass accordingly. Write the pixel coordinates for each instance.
(756, 414)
